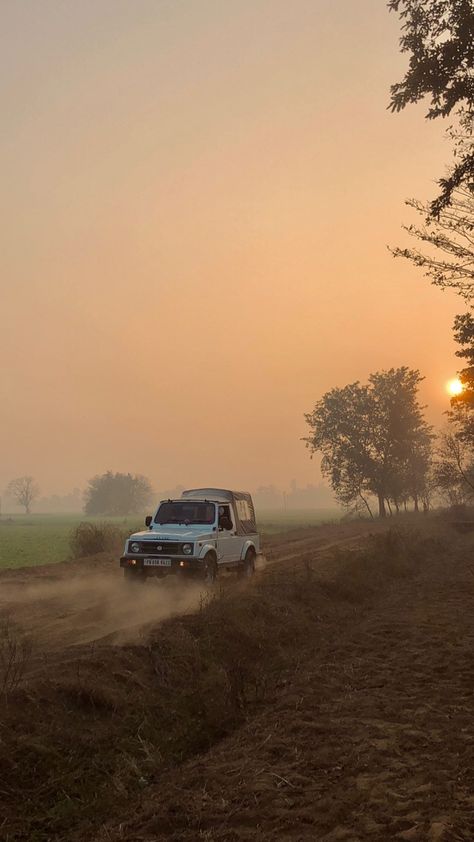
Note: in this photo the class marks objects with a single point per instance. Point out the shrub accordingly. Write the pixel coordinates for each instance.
(92, 538)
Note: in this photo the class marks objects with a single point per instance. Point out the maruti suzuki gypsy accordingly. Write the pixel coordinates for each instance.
(199, 534)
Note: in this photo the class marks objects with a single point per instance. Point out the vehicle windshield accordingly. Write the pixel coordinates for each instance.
(186, 512)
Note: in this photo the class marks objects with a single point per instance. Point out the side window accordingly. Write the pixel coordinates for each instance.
(225, 518)
(243, 510)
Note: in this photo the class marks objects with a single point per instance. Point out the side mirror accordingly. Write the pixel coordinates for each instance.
(148, 520)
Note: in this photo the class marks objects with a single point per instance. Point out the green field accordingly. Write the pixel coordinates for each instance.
(278, 520)
(43, 539)
(26, 541)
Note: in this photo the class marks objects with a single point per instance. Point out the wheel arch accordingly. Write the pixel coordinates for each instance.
(248, 545)
(208, 548)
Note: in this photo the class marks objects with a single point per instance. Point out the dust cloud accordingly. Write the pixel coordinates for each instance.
(93, 608)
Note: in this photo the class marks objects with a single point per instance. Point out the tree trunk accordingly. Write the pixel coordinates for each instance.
(397, 507)
(382, 510)
(415, 500)
(367, 505)
(389, 507)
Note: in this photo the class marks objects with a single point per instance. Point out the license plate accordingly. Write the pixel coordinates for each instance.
(157, 562)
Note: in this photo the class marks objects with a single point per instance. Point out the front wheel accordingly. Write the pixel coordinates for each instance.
(210, 569)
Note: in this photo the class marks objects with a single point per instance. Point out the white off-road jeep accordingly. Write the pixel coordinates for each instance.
(206, 530)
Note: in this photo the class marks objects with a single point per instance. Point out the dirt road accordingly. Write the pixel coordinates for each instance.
(87, 601)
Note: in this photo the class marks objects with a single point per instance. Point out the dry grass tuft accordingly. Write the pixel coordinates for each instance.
(15, 654)
(89, 539)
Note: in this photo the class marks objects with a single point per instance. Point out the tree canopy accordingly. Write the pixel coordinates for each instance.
(454, 467)
(117, 494)
(461, 415)
(438, 36)
(373, 439)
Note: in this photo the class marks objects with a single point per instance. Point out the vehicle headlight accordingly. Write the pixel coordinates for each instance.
(187, 549)
(134, 547)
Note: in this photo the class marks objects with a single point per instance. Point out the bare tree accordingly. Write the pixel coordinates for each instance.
(24, 490)
(449, 260)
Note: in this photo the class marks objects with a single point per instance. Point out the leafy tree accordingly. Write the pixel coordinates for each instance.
(24, 490)
(438, 36)
(117, 494)
(373, 438)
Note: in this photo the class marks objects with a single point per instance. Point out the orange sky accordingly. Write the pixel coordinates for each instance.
(197, 197)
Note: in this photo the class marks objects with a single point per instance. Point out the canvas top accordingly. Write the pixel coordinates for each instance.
(242, 504)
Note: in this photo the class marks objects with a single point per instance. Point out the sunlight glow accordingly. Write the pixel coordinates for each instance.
(455, 387)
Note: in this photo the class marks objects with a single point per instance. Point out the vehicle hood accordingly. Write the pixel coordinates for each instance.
(174, 533)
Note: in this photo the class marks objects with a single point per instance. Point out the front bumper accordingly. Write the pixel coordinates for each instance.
(179, 564)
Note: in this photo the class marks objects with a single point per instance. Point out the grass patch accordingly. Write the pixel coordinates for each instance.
(45, 539)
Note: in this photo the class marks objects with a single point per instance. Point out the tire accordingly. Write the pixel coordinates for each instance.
(134, 577)
(248, 567)
(210, 569)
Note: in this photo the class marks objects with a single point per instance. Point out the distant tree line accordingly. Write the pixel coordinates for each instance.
(107, 494)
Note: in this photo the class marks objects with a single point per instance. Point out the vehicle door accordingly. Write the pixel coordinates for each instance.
(229, 543)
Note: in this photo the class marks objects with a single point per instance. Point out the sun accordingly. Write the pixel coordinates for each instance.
(455, 387)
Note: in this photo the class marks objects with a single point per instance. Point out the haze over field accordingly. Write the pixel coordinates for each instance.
(196, 203)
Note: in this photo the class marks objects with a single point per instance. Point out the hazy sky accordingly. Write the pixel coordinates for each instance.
(196, 201)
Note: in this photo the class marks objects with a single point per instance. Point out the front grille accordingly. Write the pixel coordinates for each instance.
(164, 548)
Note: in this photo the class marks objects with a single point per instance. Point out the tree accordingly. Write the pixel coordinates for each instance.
(449, 263)
(24, 490)
(464, 336)
(373, 438)
(454, 469)
(461, 415)
(438, 36)
(117, 494)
